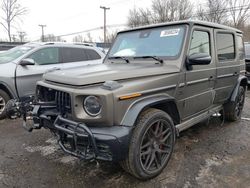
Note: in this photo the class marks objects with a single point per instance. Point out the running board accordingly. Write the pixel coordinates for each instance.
(189, 123)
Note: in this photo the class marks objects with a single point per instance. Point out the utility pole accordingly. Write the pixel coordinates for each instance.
(42, 26)
(104, 27)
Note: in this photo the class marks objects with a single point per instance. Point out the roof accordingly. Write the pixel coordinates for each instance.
(189, 22)
(65, 44)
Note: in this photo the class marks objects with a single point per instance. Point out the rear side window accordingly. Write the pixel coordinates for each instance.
(92, 55)
(240, 47)
(200, 43)
(73, 55)
(225, 46)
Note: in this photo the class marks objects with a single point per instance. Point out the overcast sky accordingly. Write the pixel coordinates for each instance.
(63, 17)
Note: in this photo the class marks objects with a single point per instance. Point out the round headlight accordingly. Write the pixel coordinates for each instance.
(92, 106)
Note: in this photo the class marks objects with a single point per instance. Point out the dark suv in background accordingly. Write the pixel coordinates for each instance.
(247, 51)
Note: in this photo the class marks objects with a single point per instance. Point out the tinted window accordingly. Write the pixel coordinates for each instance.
(225, 46)
(247, 50)
(200, 43)
(240, 48)
(45, 56)
(73, 55)
(92, 54)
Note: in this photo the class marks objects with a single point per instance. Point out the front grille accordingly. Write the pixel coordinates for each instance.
(63, 102)
(60, 98)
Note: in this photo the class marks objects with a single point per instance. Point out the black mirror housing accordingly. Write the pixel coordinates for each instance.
(26, 62)
(199, 59)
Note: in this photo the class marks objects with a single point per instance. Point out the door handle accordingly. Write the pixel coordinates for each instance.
(236, 73)
(53, 69)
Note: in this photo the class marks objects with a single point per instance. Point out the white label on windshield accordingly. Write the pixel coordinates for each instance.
(170, 32)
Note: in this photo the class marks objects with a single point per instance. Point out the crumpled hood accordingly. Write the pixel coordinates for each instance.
(92, 74)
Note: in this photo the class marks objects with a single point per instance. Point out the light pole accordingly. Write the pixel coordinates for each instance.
(104, 26)
(42, 26)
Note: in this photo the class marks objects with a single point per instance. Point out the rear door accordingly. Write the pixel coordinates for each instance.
(46, 59)
(199, 81)
(228, 64)
(77, 57)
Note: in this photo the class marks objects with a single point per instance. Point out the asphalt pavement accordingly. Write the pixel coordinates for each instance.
(206, 155)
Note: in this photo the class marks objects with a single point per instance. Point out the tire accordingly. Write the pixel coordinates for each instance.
(4, 98)
(151, 144)
(233, 109)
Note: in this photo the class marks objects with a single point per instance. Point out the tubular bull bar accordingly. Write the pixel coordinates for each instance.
(75, 130)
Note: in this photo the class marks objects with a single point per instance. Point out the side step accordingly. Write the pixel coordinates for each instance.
(189, 123)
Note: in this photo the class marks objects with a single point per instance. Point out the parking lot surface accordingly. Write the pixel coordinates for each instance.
(206, 155)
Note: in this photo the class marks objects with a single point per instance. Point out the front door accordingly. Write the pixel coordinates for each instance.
(200, 79)
(46, 59)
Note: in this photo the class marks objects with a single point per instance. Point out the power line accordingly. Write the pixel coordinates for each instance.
(42, 26)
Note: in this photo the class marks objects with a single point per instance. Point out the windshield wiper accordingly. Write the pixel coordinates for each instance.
(149, 56)
(119, 57)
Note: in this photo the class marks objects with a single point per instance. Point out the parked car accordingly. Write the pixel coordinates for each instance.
(21, 67)
(247, 51)
(156, 81)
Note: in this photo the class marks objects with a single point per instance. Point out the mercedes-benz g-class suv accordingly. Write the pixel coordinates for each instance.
(156, 81)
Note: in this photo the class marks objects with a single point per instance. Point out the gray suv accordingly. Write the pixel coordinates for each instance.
(22, 66)
(156, 81)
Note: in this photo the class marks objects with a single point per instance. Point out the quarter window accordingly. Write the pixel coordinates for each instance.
(46, 56)
(92, 55)
(200, 43)
(225, 46)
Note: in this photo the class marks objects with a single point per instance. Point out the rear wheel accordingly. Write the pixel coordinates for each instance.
(151, 144)
(233, 109)
(4, 98)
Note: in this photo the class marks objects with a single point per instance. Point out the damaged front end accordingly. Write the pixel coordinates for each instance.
(109, 143)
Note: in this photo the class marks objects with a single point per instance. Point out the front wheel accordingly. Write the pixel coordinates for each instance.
(151, 144)
(4, 98)
(233, 109)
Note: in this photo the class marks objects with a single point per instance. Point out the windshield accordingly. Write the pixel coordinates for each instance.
(14, 53)
(247, 49)
(161, 42)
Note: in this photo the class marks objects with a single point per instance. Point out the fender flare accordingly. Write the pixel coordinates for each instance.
(236, 88)
(9, 91)
(138, 106)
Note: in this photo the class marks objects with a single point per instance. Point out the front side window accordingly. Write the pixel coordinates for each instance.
(225, 46)
(46, 56)
(200, 43)
(163, 42)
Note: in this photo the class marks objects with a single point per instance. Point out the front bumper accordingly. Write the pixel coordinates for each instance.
(109, 143)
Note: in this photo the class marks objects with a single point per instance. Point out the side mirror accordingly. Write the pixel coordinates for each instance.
(199, 59)
(26, 62)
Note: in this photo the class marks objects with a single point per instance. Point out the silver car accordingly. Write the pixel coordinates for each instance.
(21, 67)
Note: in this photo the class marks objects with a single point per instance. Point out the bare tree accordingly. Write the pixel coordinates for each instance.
(111, 36)
(161, 11)
(52, 38)
(139, 17)
(239, 12)
(88, 38)
(78, 38)
(12, 11)
(214, 11)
